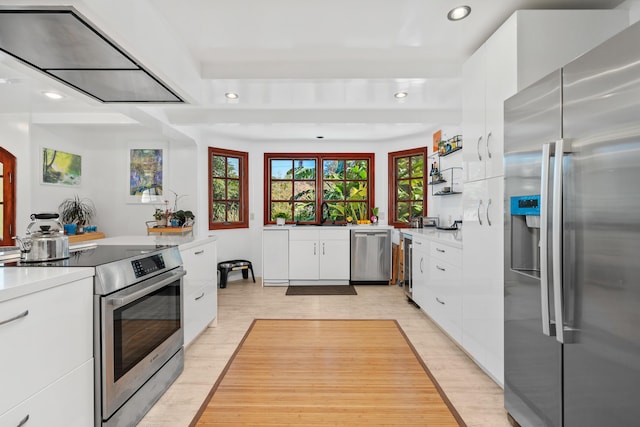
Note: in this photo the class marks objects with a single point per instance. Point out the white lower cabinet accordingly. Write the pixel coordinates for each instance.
(68, 402)
(420, 272)
(275, 257)
(445, 287)
(200, 288)
(41, 354)
(319, 255)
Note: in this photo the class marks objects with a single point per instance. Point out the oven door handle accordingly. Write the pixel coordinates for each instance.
(126, 299)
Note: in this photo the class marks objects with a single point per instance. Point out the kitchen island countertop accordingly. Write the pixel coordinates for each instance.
(19, 281)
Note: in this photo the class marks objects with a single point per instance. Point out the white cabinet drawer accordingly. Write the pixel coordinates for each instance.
(446, 253)
(55, 337)
(200, 262)
(304, 234)
(67, 402)
(200, 308)
(445, 272)
(447, 312)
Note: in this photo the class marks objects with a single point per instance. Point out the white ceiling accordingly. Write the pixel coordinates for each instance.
(302, 68)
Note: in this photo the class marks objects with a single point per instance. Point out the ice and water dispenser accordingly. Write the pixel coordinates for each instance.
(525, 234)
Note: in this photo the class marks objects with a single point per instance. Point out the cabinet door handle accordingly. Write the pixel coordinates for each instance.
(23, 421)
(421, 265)
(440, 268)
(16, 317)
(478, 149)
(322, 248)
(487, 213)
(199, 252)
(416, 242)
(197, 298)
(479, 217)
(314, 248)
(438, 299)
(488, 139)
(440, 250)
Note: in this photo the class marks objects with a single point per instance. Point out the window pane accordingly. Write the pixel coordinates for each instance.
(403, 190)
(281, 190)
(233, 167)
(277, 207)
(304, 190)
(356, 169)
(333, 169)
(336, 211)
(305, 169)
(357, 210)
(417, 190)
(357, 190)
(219, 212)
(305, 211)
(403, 212)
(233, 214)
(217, 169)
(416, 210)
(333, 191)
(233, 189)
(219, 189)
(281, 169)
(417, 166)
(402, 167)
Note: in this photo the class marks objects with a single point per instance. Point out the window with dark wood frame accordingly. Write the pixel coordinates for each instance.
(7, 202)
(228, 189)
(297, 185)
(407, 185)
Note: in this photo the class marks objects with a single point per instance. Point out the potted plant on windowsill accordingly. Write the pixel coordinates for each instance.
(77, 211)
(280, 217)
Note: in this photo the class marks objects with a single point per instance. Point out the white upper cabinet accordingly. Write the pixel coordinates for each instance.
(528, 46)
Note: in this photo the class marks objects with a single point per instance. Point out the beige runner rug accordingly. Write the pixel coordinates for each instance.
(326, 373)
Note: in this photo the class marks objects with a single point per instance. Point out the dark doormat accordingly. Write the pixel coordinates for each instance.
(322, 290)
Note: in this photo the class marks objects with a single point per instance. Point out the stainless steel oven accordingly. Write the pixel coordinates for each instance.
(138, 306)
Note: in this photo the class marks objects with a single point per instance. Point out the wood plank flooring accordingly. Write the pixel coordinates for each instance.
(477, 398)
(326, 373)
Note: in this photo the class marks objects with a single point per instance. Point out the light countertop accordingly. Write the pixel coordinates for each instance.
(329, 227)
(19, 281)
(452, 238)
(185, 242)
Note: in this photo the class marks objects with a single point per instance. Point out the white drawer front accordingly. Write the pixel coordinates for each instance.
(53, 339)
(200, 308)
(67, 402)
(446, 253)
(200, 262)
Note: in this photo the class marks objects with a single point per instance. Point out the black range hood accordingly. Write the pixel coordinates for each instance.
(64, 45)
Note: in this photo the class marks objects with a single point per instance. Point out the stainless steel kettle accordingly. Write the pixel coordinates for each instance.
(45, 239)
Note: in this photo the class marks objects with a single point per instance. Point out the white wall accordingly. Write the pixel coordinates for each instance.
(105, 173)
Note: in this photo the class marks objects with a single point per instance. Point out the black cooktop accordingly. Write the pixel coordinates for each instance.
(93, 256)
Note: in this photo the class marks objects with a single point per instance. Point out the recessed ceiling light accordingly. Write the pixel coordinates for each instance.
(231, 95)
(458, 13)
(53, 95)
(401, 95)
(320, 137)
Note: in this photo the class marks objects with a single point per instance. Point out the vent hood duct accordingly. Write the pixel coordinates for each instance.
(64, 45)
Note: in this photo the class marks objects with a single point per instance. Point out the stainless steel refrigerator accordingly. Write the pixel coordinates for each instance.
(572, 242)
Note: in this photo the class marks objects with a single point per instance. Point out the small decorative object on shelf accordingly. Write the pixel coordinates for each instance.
(374, 217)
(281, 218)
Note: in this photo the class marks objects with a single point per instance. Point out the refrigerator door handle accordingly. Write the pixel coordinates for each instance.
(563, 333)
(548, 326)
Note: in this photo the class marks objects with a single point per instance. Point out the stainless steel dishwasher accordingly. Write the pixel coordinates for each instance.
(370, 256)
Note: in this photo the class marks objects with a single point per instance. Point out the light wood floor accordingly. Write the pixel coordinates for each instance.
(476, 397)
(326, 373)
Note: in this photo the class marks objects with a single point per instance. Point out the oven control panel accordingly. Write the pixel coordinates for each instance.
(144, 266)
